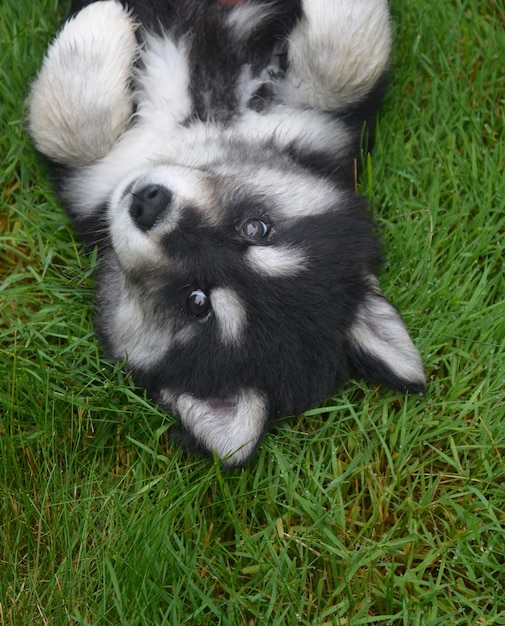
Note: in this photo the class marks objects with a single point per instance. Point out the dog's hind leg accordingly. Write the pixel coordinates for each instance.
(81, 101)
(337, 53)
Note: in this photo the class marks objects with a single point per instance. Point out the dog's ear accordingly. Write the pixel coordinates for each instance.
(380, 348)
(231, 428)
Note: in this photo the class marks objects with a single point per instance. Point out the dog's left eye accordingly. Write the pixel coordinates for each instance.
(197, 302)
(254, 229)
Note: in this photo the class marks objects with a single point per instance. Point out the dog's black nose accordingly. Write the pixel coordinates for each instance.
(149, 204)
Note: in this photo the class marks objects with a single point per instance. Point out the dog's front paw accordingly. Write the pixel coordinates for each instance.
(81, 101)
(337, 53)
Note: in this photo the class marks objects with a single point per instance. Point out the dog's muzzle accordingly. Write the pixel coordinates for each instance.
(148, 205)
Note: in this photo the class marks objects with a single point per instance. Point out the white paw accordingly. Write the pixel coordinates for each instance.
(337, 52)
(81, 101)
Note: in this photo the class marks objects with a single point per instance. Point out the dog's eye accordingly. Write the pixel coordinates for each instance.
(254, 229)
(197, 302)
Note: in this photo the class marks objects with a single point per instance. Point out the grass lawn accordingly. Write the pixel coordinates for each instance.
(377, 508)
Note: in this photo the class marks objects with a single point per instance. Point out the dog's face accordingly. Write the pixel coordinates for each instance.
(243, 278)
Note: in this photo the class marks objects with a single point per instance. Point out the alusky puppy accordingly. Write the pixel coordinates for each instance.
(209, 149)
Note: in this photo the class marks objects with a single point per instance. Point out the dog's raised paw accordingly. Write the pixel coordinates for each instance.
(81, 101)
(337, 52)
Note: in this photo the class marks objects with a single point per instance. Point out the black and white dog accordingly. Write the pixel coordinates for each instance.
(209, 149)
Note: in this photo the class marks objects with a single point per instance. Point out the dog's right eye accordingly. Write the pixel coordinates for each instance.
(197, 303)
(254, 229)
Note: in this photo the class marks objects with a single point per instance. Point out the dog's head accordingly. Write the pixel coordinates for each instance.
(243, 292)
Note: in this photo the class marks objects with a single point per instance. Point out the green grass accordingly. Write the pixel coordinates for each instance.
(377, 508)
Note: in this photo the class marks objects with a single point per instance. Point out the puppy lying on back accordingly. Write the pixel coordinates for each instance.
(209, 151)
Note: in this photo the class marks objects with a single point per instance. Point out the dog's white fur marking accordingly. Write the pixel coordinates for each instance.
(245, 18)
(290, 194)
(296, 199)
(142, 344)
(163, 83)
(285, 125)
(342, 47)
(75, 117)
(229, 428)
(132, 246)
(275, 261)
(230, 313)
